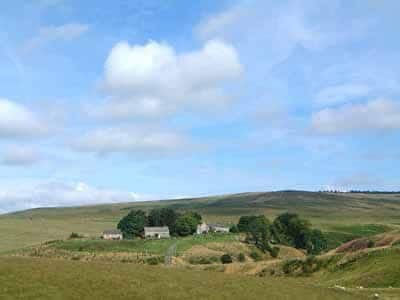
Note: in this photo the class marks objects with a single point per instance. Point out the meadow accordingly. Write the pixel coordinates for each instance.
(33, 278)
(342, 217)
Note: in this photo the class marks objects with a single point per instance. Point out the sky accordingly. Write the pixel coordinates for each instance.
(113, 101)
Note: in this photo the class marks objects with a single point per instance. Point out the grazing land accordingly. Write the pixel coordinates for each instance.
(28, 278)
(39, 261)
(344, 216)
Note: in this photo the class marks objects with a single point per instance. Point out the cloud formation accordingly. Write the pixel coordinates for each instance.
(66, 32)
(152, 80)
(20, 156)
(380, 114)
(50, 194)
(17, 121)
(127, 140)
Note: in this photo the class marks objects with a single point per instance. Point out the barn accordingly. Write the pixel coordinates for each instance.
(112, 234)
(156, 232)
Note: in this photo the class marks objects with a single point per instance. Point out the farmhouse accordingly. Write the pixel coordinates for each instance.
(113, 234)
(202, 228)
(218, 228)
(206, 228)
(156, 232)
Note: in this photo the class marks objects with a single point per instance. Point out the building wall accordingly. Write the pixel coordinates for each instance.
(112, 236)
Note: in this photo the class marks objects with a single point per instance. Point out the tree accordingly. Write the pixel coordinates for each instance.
(132, 225)
(243, 224)
(234, 229)
(291, 230)
(317, 242)
(186, 224)
(257, 229)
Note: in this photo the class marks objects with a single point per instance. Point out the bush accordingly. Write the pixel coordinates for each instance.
(370, 244)
(226, 259)
(154, 260)
(290, 266)
(274, 252)
(201, 260)
(241, 257)
(75, 235)
(255, 255)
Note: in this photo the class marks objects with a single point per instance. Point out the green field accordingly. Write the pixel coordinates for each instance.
(28, 278)
(69, 272)
(341, 214)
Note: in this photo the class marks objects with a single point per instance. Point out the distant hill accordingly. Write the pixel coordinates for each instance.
(325, 210)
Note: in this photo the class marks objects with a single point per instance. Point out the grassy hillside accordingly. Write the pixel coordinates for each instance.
(345, 216)
(28, 278)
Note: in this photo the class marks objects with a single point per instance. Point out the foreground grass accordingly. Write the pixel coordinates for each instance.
(29, 278)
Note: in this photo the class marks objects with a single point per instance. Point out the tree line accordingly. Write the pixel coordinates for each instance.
(132, 225)
(287, 229)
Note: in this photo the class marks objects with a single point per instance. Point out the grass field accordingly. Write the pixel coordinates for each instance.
(157, 247)
(28, 278)
(340, 214)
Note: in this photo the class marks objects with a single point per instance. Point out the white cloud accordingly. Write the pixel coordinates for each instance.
(269, 31)
(18, 121)
(139, 141)
(380, 114)
(341, 93)
(152, 79)
(64, 32)
(20, 156)
(50, 194)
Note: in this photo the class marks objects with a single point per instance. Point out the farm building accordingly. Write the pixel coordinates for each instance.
(113, 234)
(218, 228)
(156, 232)
(202, 228)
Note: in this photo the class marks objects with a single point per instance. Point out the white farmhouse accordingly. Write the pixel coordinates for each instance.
(113, 234)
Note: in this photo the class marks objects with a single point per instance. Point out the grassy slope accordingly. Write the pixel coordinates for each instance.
(27, 278)
(325, 210)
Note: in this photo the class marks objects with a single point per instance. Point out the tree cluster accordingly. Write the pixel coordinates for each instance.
(132, 225)
(288, 229)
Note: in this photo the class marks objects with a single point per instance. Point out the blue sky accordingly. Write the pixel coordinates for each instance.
(136, 100)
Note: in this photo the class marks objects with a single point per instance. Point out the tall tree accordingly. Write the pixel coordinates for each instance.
(132, 225)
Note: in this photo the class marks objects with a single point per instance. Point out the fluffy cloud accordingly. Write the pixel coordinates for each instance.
(18, 121)
(138, 141)
(59, 194)
(64, 32)
(152, 79)
(380, 114)
(20, 156)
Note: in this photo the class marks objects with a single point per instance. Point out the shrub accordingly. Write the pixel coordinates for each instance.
(154, 260)
(370, 244)
(241, 257)
(274, 252)
(201, 260)
(226, 259)
(290, 266)
(75, 235)
(255, 255)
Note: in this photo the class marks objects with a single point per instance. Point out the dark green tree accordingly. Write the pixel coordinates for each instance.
(186, 224)
(132, 225)
(258, 232)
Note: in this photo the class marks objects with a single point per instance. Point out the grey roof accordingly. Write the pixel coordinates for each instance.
(217, 225)
(112, 231)
(163, 229)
